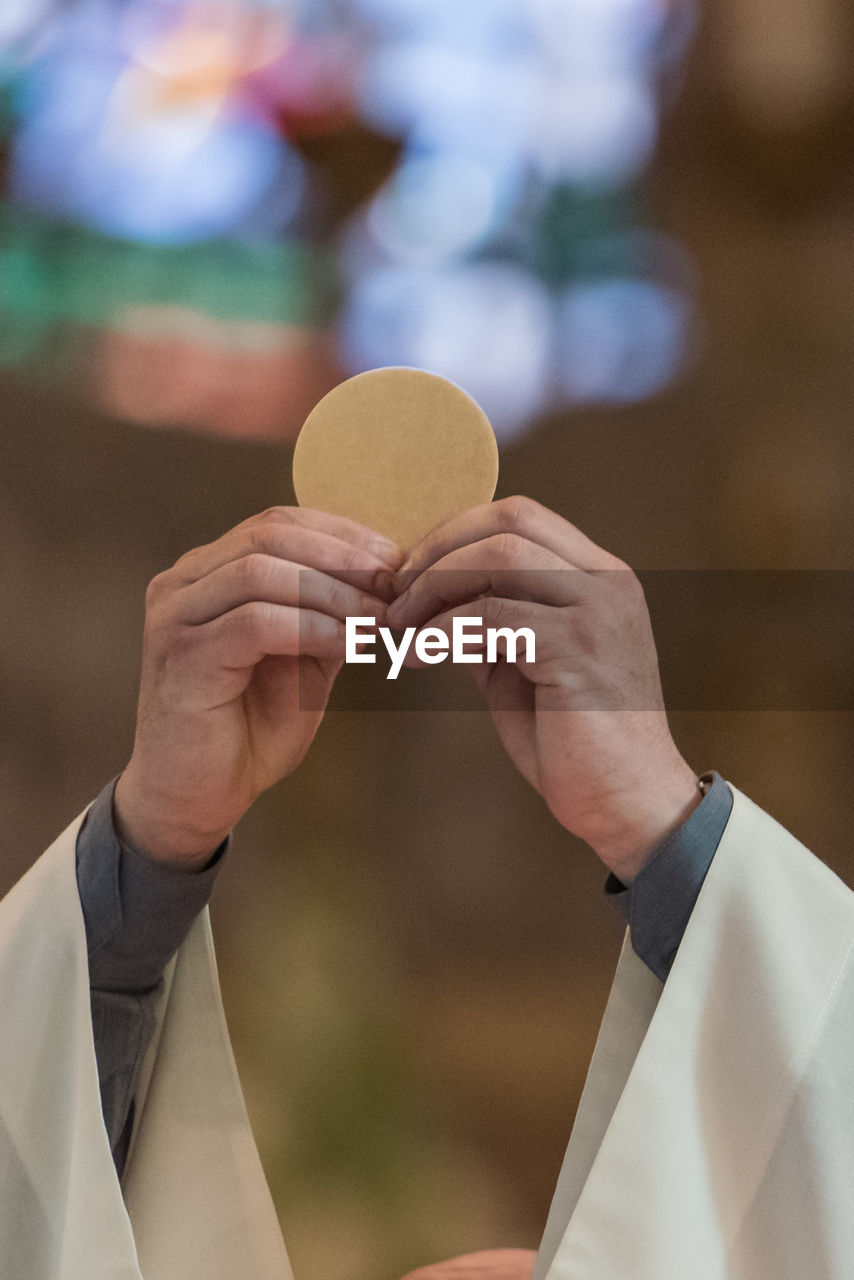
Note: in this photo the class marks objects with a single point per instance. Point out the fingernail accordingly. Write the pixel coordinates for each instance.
(400, 581)
(388, 551)
(383, 585)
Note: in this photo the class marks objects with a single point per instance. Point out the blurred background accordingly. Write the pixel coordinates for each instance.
(627, 228)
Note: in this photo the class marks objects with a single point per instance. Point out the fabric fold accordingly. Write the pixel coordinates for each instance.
(712, 1139)
(196, 1205)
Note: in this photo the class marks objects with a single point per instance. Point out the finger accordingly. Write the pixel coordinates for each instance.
(502, 565)
(241, 638)
(505, 688)
(341, 527)
(267, 578)
(307, 547)
(520, 516)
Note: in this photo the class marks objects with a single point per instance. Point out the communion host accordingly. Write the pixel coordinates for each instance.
(715, 1136)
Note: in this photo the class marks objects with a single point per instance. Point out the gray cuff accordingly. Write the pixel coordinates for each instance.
(137, 910)
(658, 904)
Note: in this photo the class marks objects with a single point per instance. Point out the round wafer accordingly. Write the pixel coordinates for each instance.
(398, 450)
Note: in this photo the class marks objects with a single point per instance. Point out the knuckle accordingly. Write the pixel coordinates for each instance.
(254, 569)
(619, 580)
(614, 563)
(629, 584)
(250, 618)
(157, 588)
(184, 566)
(276, 515)
(260, 537)
(516, 512)
(327, 591)
(509, 548)
(169, 648)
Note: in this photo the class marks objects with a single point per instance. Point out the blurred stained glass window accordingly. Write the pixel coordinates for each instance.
(215, 209)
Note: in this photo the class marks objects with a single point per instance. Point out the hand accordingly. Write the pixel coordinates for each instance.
(233, 633)
(585, 723)
(494, 1264)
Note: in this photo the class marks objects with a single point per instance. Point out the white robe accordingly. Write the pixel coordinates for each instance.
(196, 1205)
(714, 1141)
(715, 1135)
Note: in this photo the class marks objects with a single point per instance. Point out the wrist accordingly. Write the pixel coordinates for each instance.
(627, 836)
(147, 827)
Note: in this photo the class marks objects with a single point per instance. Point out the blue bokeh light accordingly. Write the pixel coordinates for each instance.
(621, 340)
(525, 129)
(486, 325)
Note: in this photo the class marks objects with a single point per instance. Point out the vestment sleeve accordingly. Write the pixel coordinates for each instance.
(715, 1134)
(137, 912)
(194, 1203)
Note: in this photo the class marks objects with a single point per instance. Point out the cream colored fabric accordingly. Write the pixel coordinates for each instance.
(198, 1207)
(715, 1137)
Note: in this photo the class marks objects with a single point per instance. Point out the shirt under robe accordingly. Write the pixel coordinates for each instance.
(138, 911)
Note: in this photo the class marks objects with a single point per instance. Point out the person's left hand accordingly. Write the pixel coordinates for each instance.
(585, 723)
(493, 1264)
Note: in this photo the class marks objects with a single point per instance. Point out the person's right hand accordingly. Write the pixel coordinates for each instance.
(491, 1264)
(237, 636)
